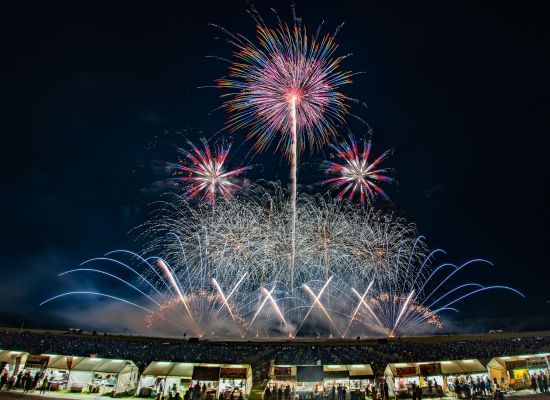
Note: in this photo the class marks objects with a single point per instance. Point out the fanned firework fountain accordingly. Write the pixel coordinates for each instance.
(226, 262)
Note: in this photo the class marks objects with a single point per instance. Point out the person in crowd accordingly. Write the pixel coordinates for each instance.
(545, 383)
(419, 392)
(45, 386)
(18, 380)
(28, 383)
(539, 382)
(373, 392)
(280, 393)
(487, 386)
(177, 396)
(333, 392)
(533, 383)
(386, 390)
(413, 391)
(287, 392)
(3, 379)
(429, 386)
(267, 393)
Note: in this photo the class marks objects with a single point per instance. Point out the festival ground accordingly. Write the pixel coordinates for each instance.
(18, 395)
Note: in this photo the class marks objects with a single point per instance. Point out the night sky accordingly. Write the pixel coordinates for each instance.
(94, 97)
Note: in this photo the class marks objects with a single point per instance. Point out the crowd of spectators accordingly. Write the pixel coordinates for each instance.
(140, 350)
(144, 350)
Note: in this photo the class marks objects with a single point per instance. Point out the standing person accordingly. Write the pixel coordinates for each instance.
(287, 392)
(534, 383)
(333, 392)
(386, 391)
(419, 392)
(539, 382)
(3, 380)
(344, 393)
(413, 391)
(28, 384)
(44, 387)
(18, 381)
(373, 391)
(487, 386)
(280, 393)
(545, 383)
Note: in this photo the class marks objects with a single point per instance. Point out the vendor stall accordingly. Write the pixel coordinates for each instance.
(12, 361)
(460, 377)
(360, 377)
(231, 380)
(235, 381)
(336, 376)
(164, 377)
(515, 371)
(101, 375)
(309, 381)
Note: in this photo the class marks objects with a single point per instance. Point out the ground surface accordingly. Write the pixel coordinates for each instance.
(17, 395)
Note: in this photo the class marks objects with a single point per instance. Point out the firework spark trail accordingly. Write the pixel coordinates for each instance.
(259, 310)
(361, 300)
(409, 297)
(233, 290)
(162, 264)
(220, 291)
(112, 276)
(293, 182)
(95, 294)
(274, 304)
(125, 266)
(144, 261)
(316, 299)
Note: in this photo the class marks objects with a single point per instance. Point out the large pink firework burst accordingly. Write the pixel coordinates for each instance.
(356, 175)
(204, 172)
(285, 85)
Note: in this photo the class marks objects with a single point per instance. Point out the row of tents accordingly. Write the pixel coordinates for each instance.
(101, 375)
(510, 372)
(115, 376)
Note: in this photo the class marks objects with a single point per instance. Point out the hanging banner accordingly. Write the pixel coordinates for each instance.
(430, 369)
(405, 371)
(536, 362)
(233, 373)
(282, 371)
(36, 361)
(206, 374)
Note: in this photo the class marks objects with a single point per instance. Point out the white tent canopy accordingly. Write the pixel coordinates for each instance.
(13, 359)
(453, 367)
(178, 372)
(124, 373)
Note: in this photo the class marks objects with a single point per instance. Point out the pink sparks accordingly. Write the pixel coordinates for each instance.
(205, 172)
(356, 176)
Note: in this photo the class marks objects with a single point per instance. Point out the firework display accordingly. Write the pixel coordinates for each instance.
(285, 89)
(271, 262)
(224, 271)
(356, 175)
(203, 172)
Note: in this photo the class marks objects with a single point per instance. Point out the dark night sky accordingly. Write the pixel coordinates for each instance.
(460, 91)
